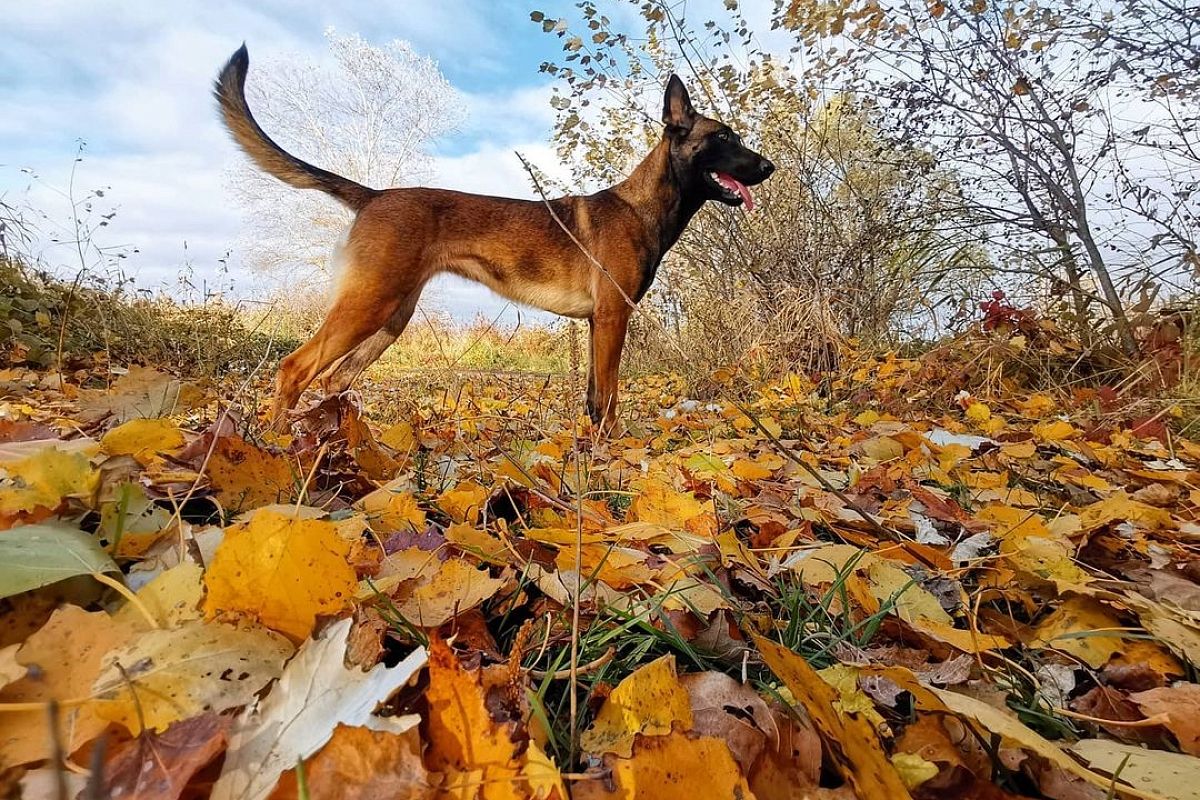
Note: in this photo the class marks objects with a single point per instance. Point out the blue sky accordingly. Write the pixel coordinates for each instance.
(132, 78)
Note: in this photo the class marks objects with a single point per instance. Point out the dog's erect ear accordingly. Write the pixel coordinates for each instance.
(678, 114)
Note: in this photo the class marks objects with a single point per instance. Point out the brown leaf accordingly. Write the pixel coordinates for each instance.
(1181, 705)
(725, 709)
(790, 764)
(362, 764)
(1104, 702)
(158, 766)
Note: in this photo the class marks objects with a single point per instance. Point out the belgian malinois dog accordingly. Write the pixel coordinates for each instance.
(401, 238)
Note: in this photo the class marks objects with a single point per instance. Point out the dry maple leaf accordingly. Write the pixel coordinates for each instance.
(299, 715)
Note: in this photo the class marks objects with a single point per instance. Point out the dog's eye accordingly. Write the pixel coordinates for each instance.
(723, 136)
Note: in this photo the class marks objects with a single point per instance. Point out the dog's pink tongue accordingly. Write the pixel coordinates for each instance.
(733, 183)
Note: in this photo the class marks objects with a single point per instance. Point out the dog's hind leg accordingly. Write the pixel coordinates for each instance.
(341, 375)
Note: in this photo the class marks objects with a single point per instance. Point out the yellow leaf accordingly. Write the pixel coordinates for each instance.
(390, 509)
(142, 438)
(281, 571)
(464, 502)
(457, 587)
(659, 503)
(912, 601)
(978, 412)
(867, 418)
(669, 767)
(853, 743)
(913, 769)
(851, 699)
(749, 470)
(400, 437)
(1120, 506)
(162, 676)
(1054, 431)
(173, 597)
(1073, 626)
(67, 653)
(880, 448)
(648, 702)
(44, 479)
(246, 476)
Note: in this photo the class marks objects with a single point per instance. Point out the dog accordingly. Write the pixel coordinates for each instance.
(587, 257)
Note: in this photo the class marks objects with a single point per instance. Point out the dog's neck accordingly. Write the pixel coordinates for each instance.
(659, 195)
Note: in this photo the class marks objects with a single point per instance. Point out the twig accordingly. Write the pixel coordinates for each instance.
(586, 669)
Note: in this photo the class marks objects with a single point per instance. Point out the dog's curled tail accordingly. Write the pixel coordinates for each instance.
(230, 91)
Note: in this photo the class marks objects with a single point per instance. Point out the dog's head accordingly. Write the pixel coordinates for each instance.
(707, 154)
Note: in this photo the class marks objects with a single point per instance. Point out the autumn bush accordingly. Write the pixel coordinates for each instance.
(46, 321)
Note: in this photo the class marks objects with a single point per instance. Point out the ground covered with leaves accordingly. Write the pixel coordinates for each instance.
(879, 586)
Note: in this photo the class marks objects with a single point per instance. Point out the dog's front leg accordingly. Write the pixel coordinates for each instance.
(608, 328)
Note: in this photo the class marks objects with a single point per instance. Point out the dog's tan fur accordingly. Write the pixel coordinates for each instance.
(403, 237)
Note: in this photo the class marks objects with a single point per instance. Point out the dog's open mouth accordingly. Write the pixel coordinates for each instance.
(732, 188)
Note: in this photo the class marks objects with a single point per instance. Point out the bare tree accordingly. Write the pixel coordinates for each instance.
(369, 114)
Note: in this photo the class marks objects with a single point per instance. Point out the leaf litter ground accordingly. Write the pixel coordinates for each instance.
(901, 593)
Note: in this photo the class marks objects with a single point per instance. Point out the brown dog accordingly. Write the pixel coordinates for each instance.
(402, 237)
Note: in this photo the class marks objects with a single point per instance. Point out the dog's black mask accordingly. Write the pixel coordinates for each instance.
(707, 153)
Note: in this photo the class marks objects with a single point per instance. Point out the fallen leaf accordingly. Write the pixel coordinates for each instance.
(456, 587)
(1181, 706)
(246, 476)
(1074, 627)
(173, 597)
(671, 766)
(648, 702)
(478, 755)
(158, 766)
(281, 571)
(162, 676)
(730, 711)
(1157, 774)
(389, 509)
(39, 555)
(852, 743)
(142, 392)
(362, 764)
(44, 479)
(299, 715)
(142, 439)
(62, 661)
(464, 502)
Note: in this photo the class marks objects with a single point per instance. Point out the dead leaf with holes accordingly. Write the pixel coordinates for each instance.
(281, 571)
(162, 676)
(42, 480)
